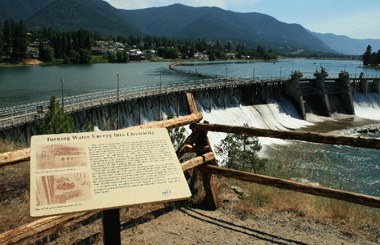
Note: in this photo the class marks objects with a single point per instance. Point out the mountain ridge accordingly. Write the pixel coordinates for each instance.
(180, 21)
(20, 9)
(347, 45)
(93, 15)
(217, 24)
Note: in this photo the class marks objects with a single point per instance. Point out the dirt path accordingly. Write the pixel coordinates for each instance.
(197, 226)
(185, 224)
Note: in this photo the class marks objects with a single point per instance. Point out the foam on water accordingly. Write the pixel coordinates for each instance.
(343, 167)
(367, 105)
(278, 115)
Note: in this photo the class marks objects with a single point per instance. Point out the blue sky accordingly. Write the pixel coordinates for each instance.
(353, 18)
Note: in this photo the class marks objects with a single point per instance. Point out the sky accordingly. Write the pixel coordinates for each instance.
(352, 18)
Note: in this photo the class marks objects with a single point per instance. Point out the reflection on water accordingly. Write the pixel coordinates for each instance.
(21, 85)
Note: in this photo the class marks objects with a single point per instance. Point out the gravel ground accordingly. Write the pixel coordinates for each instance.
(179, 224)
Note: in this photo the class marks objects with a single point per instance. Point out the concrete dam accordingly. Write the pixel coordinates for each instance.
(111, 110)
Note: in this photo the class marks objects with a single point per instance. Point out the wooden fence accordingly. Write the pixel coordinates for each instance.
(197, 143)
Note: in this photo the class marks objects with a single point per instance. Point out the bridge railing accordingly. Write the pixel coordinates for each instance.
(25, 112)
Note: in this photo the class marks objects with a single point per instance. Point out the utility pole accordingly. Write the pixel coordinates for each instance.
(159, 101)
(117, 104)
(117, 87)
(62, 95)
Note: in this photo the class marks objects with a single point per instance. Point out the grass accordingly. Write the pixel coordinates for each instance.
(6, 146)
(284, 165)
(256, 200)
(265, 200)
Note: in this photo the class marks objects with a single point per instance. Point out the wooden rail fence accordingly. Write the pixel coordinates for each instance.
(204, 160)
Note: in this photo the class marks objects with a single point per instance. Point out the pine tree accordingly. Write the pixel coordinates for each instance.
(239, 151)
(8, 30)
(1, 42)
(367, 55)
(20, 41)
(55, 121)
(46, 53)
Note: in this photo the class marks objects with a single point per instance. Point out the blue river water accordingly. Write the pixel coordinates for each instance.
(348, 168)
(283, 68)
(342, 167)
(21, 85)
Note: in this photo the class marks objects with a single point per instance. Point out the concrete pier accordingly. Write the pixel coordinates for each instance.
(322, 97)
(346, 95)
(292, 89)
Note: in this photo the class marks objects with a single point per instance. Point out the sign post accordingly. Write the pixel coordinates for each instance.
(111, 226)
(104, 171)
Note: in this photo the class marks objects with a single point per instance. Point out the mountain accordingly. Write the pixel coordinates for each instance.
(174, 21)
(179, 21)
(347, 45)
(20, 9)
(65, 15)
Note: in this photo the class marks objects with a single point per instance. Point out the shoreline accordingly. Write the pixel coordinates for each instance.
(190, 62)
(26, 62)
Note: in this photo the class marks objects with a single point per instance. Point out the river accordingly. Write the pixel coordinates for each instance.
(332, 166)
(22, 85)
(341, 167)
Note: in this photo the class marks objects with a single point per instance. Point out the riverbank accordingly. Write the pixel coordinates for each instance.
(25, 62)
(186, 62)
(59, 62)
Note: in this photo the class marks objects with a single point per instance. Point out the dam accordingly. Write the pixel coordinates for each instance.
(115, 109)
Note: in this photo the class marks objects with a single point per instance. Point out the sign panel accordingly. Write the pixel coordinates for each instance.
(102, 170)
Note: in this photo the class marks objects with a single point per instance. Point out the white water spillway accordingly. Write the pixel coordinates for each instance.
(367, 105)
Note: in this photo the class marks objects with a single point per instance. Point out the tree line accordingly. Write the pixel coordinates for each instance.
(71, 47)
(75, 46)
(371, 58)
(13, 40)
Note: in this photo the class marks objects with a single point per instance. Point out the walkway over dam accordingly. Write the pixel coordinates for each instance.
(126, 107)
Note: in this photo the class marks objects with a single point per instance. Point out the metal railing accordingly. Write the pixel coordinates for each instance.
(20, 114)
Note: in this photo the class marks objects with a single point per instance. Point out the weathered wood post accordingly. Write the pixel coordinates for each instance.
(201, 146)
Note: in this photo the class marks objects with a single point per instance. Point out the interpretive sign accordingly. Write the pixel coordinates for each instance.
(102, 170)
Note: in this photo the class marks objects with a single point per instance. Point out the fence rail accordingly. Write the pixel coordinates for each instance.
(207, 165)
